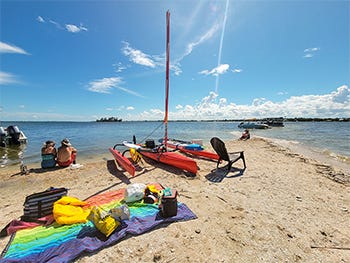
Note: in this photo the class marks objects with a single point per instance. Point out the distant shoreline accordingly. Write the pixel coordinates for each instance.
(222, 120)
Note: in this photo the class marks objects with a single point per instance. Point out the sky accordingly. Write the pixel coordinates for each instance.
(83, 60)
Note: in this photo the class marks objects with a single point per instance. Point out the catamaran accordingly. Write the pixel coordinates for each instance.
(159, 153)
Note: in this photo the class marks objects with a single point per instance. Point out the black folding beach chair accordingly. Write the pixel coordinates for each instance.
(220, 148)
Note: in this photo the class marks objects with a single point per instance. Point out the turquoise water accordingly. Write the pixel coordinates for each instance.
(92, 138)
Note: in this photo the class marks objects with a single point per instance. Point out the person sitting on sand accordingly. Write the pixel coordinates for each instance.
(48, 155)
(245, 135)
(66, 154)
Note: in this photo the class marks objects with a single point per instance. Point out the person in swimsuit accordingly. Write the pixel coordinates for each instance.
(48, 155)
(245, 135)
(66, 154)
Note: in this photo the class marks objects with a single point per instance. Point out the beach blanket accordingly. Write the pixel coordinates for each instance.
(65, 243)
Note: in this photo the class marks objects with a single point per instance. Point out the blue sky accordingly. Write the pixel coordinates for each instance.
(82, 60)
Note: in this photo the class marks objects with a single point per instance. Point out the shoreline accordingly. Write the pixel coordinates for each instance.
(337, 161)
(283, 207)
(320, 141)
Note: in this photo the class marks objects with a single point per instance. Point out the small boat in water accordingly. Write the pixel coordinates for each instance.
(253, 125)
(273, 122)
(11, 136)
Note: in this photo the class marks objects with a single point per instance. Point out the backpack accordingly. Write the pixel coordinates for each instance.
(40, 204)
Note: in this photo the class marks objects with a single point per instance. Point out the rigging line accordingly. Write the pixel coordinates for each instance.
(144, 139)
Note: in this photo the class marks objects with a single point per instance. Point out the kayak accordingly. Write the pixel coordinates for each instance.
(170, 158)
(173, 159)
(123, 161)
(193, 149)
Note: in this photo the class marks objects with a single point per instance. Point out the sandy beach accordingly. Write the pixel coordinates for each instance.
(285, 207)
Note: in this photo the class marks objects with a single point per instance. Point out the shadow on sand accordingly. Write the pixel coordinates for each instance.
(218, 174)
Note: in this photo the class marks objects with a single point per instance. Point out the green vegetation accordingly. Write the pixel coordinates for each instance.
(110, 119)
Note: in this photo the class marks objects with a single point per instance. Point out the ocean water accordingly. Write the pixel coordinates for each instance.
(328, 139)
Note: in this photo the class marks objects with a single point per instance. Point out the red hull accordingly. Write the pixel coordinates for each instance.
(173, 159)
(201, 153)
(123, 161)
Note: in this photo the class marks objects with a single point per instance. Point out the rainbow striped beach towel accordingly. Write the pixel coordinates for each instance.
(65, 243)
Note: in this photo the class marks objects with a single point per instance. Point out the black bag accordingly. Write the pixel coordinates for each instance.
(150, 144)
(169, 205)
(41, 204)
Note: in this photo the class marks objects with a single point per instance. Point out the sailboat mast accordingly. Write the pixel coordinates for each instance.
(167, 76)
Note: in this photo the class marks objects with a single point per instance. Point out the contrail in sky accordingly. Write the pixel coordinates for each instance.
(220, 47)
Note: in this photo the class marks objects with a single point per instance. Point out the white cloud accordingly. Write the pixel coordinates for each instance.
(308, 56)
(75, 29)
(310, 52)
(334, 104)
(201, 39)
(121, 108)
(176, 64)
(137, 56)
(40, 19)
(237, 70)
(312, 49)
(104, 85)
(119, 67)
(68, 27)
(258, 102)
(219, 70)
(341, 95)
(56, 24)
(7, 48)
(152, 114)
(7, 78)
(130, 92)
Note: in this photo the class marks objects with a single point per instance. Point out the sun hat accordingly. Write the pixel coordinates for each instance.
(66, 142)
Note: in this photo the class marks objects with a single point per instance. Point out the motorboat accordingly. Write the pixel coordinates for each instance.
(12, 135)
(273, 122)
(253, 125)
